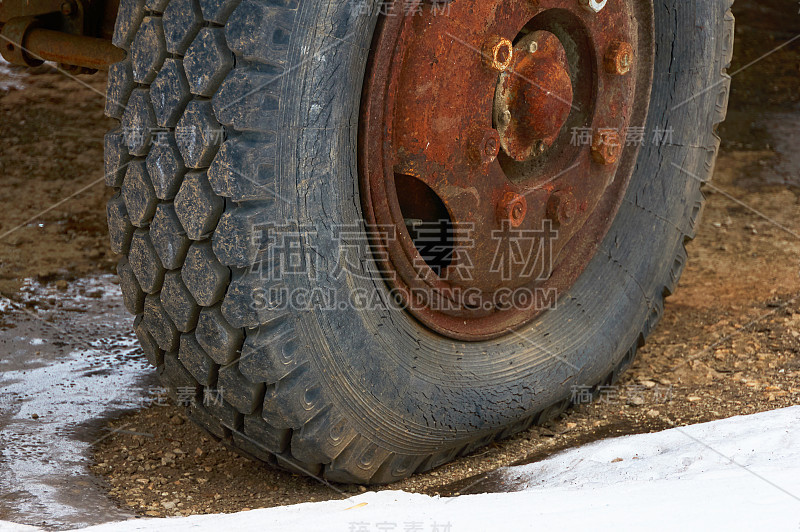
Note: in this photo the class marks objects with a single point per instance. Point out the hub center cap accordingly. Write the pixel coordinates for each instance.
(534, 97)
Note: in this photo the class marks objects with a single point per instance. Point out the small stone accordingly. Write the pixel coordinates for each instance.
(615, 460)
(653, 413)
(35, 416)
(636, 401)
(176, 420)
(363, 489)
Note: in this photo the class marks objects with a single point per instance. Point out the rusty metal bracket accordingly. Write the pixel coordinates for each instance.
(74, 33)
(13, 37)
(24, 43)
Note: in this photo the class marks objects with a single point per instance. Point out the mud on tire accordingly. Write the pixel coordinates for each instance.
(237, 115)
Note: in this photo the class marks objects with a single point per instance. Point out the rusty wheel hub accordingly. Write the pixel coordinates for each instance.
(492, 150)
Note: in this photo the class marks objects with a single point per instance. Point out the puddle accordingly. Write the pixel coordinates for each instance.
(69, 362)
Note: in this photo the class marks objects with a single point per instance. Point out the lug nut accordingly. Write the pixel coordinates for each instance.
(513, 209)
(619, 58)
(561, 207)
(595, 6)
(489, 146)
(497, 53)
(606, 146)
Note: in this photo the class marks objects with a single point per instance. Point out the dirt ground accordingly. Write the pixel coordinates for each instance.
(52, 147)
(728, 344)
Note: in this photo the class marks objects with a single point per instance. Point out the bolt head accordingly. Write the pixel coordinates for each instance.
(533, 47)
(484, 145)
(561, 207)
(606, 146)
(512, 209)
(595, 6)
(619, 58)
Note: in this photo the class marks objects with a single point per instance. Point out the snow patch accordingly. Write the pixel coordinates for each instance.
(10, 78)
(741, 473)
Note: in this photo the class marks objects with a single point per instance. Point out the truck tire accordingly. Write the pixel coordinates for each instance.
(241, 116)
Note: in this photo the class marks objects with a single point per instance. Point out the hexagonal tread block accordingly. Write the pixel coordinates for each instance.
(118, 90)
(132, 294)
(168, 237)
(116, 158)
(197, 206)
(157, 6)
(182, 21)
(198, 134)
(203, 274)
(194, 358)
(261, 31)
(140, 198)
(243, 395)
(152, 352)
(257, 97)
(207, 61)
(148, 50)
(217, 337)
(120, 228)
(129, 16)
(138, 122)
(178, 302)
(269, 436)
(145, 262)
(169, 93)
(180, 384)
(166, 169)
(217, 11)
(159, 324)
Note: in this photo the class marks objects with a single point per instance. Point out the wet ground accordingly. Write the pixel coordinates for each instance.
(85, 437)
(69, 363)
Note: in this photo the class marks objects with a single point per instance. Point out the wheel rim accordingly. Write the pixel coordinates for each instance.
(493, 153)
